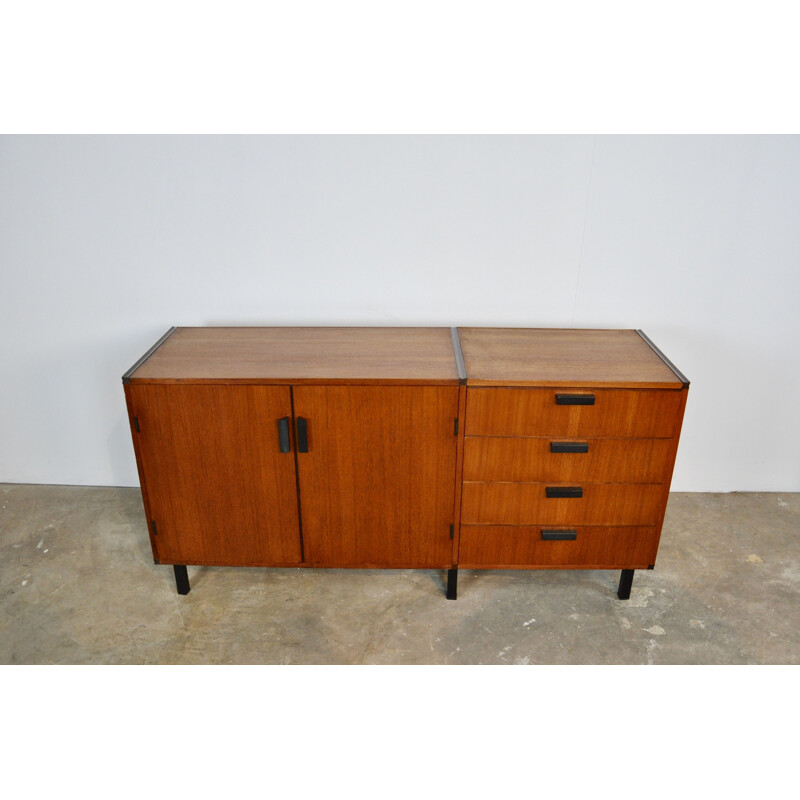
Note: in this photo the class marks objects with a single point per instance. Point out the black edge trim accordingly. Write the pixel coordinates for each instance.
(678, 374)
(461, 367)
(126, 378)
(652, 566)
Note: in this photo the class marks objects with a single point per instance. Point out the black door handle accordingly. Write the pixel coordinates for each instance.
(564, 491)
(283, 434)
(569, 447)
(302, 435)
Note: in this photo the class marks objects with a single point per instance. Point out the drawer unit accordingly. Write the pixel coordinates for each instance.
(570, 441)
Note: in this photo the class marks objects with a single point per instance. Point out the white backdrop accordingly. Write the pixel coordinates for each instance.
(107, 241)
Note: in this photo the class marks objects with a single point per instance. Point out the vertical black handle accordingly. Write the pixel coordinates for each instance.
(302, 435)
(283, 434)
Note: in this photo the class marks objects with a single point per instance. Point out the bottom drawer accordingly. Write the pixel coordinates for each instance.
(599, 547)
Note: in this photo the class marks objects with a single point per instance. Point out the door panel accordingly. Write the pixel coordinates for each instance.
(220, 490)
(377, 483)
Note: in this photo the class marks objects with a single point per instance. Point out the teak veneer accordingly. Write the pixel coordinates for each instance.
(405, 447)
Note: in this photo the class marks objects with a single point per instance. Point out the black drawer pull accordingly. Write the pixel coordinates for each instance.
(569, 447)
(283, 434)
(302, 435)
(564, 491)
(559, 536)
(574, 399)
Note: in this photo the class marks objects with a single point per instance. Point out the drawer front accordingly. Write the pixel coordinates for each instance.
(528, 504)
(537, 412)
(533, 459)
(523, 546)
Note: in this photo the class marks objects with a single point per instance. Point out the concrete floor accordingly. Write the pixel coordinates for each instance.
(78, 585)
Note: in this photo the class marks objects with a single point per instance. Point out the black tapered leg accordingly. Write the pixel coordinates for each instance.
(181, 578)
(452, 582)
(625, 583)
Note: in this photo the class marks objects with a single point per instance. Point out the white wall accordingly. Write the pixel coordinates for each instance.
(107, 241)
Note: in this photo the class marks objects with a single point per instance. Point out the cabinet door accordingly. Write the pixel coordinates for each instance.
(219, 488)
(377, 483)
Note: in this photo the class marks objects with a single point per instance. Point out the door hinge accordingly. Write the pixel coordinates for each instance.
(455, 428)
(155, 530)
(451, 531)
(136, 424)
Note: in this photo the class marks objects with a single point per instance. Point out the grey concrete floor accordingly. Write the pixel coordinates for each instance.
(78, 586)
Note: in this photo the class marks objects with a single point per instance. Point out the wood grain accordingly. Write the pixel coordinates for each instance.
(527, 504)
(462, 409)
(510, 458)
(299, 355)
(133, 422)
(377, 482)
(671, 460)
(498, 547)
(555, 357)
(218, 488)
(533, 412)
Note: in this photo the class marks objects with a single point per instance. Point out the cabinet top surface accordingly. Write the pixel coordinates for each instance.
(422, 355)
(560, 357)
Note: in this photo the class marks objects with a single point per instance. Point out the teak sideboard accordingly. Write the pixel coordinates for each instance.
(434, 448)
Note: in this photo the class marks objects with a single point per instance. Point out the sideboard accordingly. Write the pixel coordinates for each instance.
(429, 448)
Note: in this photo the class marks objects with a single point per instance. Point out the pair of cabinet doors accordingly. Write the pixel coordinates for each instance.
(374, 486)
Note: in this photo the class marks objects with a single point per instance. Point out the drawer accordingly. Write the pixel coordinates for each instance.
(528, 504)
(637, 413)
(533, 459)
(523, 546)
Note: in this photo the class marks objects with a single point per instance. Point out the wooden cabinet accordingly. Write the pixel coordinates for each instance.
(405, 447)
(570, 443)
(331, 447)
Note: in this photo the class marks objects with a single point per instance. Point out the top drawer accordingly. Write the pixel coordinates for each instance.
(545, 412)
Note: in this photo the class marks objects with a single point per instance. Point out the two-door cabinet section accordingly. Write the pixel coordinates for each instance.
(330, 447)
(405, 448)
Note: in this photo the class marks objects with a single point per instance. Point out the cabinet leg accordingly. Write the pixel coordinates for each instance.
(625, 583)
(452, 582)
(181, 578)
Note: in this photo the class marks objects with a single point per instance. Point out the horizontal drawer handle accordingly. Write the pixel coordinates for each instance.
(559, 536)
(574, 399)
(569, 447)
(564, 491)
